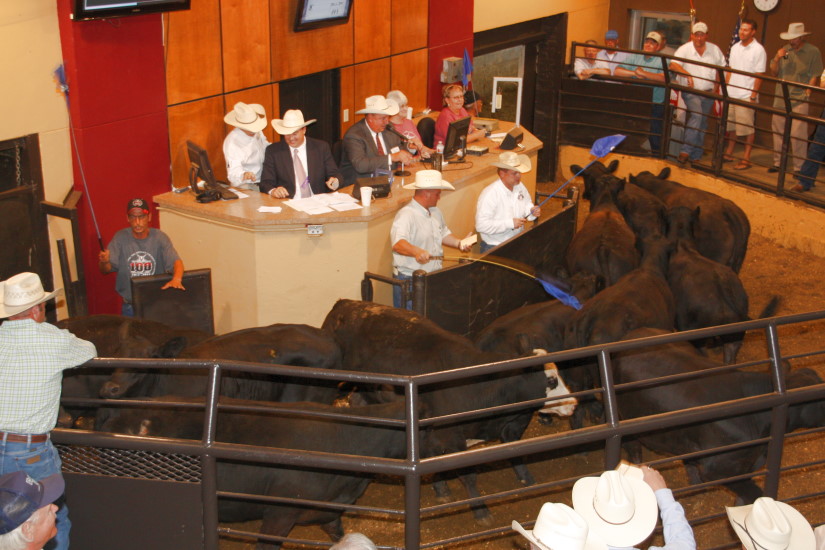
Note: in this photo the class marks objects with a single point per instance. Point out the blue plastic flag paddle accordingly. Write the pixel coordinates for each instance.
(600, 149)
(551, 288)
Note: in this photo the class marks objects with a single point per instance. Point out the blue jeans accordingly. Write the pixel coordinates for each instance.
(127, 310)
(657, 115)
(816, 154)
(484, 247)
(397, 296)
(698, 108)
(38, 460)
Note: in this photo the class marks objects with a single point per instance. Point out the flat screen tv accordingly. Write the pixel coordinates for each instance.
(313, 14)
(97, 9)
(457, 137)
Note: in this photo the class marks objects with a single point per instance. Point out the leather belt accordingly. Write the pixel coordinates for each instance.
(19, 438)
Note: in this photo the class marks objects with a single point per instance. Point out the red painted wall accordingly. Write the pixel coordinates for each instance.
(450, 31)
(117, 94)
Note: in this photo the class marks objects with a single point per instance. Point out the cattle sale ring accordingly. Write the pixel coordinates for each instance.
(275, 458)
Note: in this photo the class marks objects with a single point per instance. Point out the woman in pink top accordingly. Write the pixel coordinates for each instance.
(453, 95)
(403, 125)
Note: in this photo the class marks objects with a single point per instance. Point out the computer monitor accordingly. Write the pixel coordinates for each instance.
(457, 137)
(199, 167)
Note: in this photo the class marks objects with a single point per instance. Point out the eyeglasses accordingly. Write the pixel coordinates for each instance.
(456, 96)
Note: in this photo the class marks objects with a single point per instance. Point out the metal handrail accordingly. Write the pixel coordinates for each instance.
(414, 466)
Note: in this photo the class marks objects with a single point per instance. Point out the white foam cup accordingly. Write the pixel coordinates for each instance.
(366, 196)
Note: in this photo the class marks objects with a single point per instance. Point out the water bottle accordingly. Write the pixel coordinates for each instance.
(439, 148)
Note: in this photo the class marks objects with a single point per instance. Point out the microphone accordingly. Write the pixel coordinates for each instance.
(392, 130)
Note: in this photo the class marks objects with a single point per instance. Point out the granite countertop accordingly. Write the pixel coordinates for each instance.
(244, 212)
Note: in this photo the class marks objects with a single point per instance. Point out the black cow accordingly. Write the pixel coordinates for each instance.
(722, 230)
(645, 213)
(272, 429)
(605, 245)
(380, 339)
(642, 298)
(121, 337)
(674, 359)
(707, 293)
(278, 344)
(543, 323)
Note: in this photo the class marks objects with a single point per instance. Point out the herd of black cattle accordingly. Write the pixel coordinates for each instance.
(652, 256)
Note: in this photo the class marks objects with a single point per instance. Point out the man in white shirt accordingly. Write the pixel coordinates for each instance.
(609, 55)
(587, 66)
(243, 148)
(419, 231)
(504, 206)
(699, 78)
(746, 55)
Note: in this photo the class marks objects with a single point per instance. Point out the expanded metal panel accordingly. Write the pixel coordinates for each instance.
(127, 463)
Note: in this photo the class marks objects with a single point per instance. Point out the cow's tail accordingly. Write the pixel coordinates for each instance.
(742, 227)
(771, 308)
(604, 264)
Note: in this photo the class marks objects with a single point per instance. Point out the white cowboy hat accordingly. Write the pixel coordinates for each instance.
(772, 525)
(559, 527)
(378, 105)
(247, 117)
(622, 509)
(513, 161)
(795, 30)
(293, 121)
(22, 291)
(819, 533)
(429, 179)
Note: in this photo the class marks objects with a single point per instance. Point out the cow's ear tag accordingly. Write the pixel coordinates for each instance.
(144, 427)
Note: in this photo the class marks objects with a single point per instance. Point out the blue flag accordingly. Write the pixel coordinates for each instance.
(468, 68)
(562, 296)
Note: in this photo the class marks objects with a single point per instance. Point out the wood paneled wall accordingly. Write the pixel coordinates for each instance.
(224, 51)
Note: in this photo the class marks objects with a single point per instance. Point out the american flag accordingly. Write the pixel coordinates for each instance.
(734, 38)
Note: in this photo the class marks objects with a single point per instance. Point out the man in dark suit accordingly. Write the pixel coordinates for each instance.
(369, 145)
(298, 166)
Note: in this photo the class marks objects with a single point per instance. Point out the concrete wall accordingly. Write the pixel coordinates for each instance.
(30, 102)
(586, 18)
(785, 221)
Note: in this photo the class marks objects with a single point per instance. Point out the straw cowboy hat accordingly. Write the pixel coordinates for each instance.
(378, 105)
(768, 524)
(22, 291)
(559, 527)
(429, 179)
(292, 122)
(621, 509)
(250, 117)
(513, 161)
(795, 30)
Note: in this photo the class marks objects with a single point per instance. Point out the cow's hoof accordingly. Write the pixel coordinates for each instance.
(484, 519)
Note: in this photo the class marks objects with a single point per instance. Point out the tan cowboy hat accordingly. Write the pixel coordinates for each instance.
(772, 525)
(559, 527)
(293, 121)
(22, 291)
(247, 117)
(429, 179)
(795, 30)
(378, 105)
(513, 161)
(621, 509)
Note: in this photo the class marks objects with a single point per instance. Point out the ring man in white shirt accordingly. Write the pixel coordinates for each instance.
(504, 206)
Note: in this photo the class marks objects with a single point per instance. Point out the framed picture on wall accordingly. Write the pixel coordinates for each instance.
(675, 27)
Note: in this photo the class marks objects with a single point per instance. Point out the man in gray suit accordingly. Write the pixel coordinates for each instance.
(369, 145)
